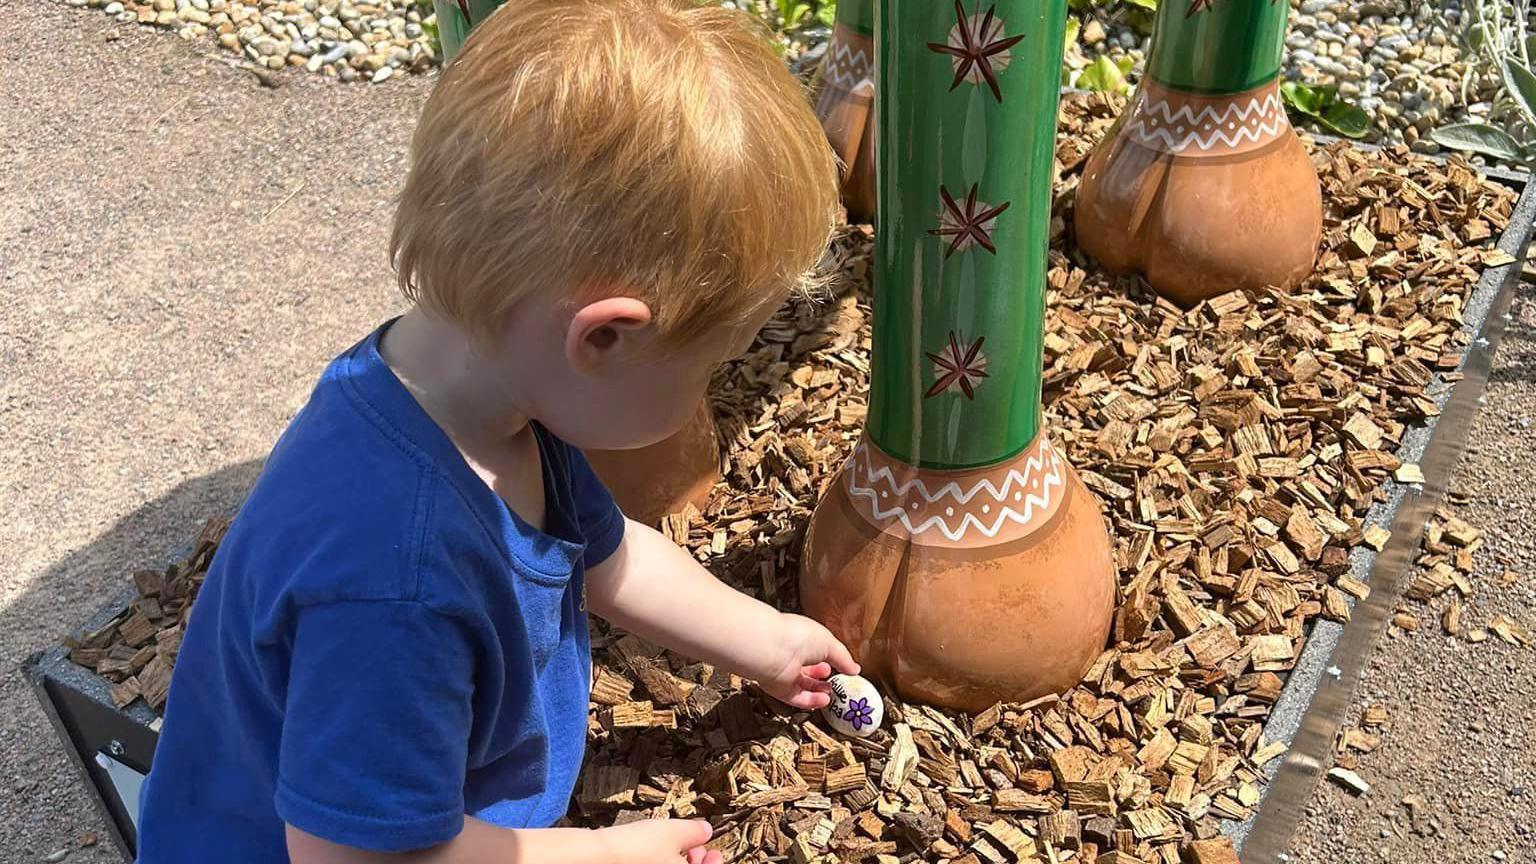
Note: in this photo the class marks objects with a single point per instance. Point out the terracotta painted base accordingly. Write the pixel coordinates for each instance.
(651, 482)
(845, 106)
(1202, 195)
(963, 588)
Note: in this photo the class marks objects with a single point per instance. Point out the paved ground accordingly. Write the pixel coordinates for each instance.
(164, 313)
(1462, 732)
(167, 304)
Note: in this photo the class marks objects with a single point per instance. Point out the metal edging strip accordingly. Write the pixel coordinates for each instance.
(1335, 654)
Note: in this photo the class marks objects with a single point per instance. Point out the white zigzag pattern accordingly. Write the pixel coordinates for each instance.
(847, 66)
(1255, 134)
(1031, 501)
(1269, 104)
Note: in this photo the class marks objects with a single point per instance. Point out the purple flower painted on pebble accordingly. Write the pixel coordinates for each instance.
(859, 714)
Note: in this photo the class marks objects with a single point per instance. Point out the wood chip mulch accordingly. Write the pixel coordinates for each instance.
(1235, 448)
(1443, 581)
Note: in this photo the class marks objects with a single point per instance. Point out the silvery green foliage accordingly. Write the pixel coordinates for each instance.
(1498, 40)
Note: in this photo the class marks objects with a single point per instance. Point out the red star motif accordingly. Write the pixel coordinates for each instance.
(958, 365)
(977, 47)
(968, 224)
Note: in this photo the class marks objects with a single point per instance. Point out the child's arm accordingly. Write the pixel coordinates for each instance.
(655, 841)
(654, 589)
(374, 749)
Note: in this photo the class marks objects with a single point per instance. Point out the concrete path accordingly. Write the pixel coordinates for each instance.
(181, 250)
(1462, 727)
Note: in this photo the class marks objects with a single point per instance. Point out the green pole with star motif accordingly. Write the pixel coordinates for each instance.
(1217, 46)
(966, 99)
(455, 18)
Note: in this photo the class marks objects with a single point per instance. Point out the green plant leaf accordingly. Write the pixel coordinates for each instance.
(1479, 138)
(1476, 37)
(1149, 5)
(1302, 97)
(1104, 76)
(827, 14)
(1524, 86)
(1074, 27)
(1346, 119)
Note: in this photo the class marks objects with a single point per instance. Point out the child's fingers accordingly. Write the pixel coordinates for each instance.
(841, 659)
(696, 855)
(688, 833)
(814, 685)
(712, 857)
(804, 697)
(818, 672)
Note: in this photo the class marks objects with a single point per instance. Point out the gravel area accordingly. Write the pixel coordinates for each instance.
(338, 38)
(1402, 62)
(1461, 714)
(183, 250)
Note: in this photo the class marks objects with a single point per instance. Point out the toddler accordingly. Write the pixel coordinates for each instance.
(389, 660)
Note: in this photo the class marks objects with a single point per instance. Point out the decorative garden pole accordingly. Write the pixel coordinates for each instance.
(455, 18)
(653, 481)
(846, 101)
(957, 554)
(1202, 186)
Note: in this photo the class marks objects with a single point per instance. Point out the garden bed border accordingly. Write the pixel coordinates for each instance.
(1306, 716)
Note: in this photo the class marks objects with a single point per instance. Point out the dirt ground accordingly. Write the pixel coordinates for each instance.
(167, 306)
(1462, 732)
(181, 249)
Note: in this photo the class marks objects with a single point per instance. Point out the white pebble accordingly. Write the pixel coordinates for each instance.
(856, 708)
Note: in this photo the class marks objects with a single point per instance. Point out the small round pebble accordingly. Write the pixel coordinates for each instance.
(856, 708)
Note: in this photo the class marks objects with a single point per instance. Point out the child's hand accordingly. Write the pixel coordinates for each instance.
(809, 655)
(660, 841)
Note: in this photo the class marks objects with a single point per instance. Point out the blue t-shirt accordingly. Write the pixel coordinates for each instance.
(381, 645)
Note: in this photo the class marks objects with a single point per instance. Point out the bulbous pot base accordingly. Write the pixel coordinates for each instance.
(962, 588)
(1202, 195)
(845, 106)
(652, 482)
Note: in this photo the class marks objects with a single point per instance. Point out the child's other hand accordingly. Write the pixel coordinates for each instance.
(810, 654)
(661, 841)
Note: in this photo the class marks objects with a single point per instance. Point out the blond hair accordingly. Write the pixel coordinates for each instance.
(651, 148)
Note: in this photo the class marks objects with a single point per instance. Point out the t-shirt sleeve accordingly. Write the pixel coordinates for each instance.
(602, 523)
(376, 725)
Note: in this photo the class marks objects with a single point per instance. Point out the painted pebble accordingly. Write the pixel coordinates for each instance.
(856, 708)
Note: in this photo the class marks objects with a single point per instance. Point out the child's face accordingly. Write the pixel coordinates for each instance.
(617, 389)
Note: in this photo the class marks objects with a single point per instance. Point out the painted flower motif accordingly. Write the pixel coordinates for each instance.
(859, 714)
(977, 48)
(966, 224)
(958, 365)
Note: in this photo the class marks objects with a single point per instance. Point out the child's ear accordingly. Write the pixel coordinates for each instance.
(602, 329)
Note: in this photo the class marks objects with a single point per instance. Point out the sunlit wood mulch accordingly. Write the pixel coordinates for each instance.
(1235, 449)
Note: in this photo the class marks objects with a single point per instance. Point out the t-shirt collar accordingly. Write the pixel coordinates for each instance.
(554, 551)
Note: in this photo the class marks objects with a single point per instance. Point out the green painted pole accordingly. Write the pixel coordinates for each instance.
(966, 100)
(1217, 46)
(455, 18)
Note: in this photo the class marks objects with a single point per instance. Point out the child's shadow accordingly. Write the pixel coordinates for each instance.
(787, 413)
(60, 600)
